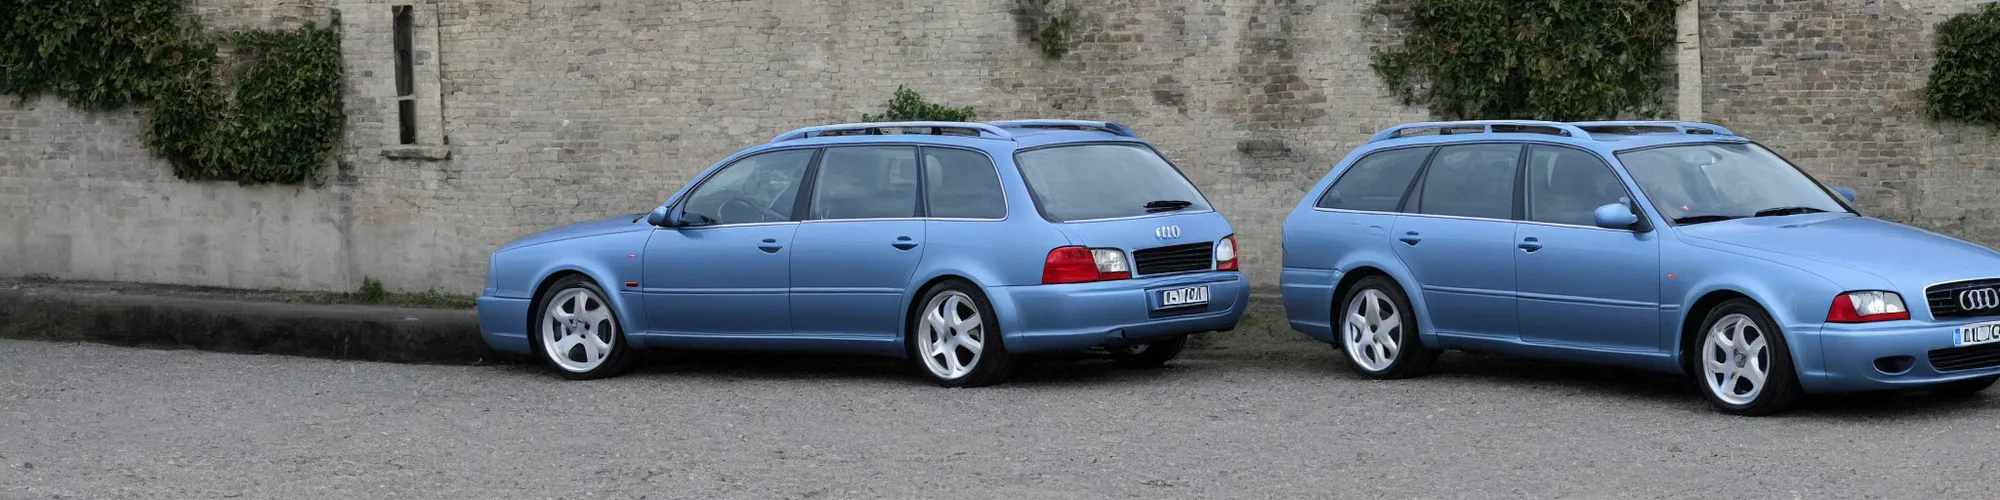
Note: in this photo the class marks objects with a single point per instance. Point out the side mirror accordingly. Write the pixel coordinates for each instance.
(663, 217)
(1845, 192)
(1616, 216)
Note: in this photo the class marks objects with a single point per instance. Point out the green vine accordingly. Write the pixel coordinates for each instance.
(910, 106)
(1532, 59)
(1966, 78)
(271, 114)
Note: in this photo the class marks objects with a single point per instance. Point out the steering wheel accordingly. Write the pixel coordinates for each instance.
(764, 214)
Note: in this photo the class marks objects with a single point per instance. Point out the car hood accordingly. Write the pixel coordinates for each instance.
(1908, 257)
(617, 224)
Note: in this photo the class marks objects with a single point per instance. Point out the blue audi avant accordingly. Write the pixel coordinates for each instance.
(955, 245)
(1667, 246)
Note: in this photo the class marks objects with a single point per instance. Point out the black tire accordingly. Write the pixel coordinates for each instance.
(1149, 355)
(616, 362)
(1963, 388)
(991, 365)
(1412, 358)
(1780, 390)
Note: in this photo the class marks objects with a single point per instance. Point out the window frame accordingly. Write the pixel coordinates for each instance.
(1413, 204)
(798, 203)
(1402, 203)
(810, 192)
(1527, 191)
(1030, 185)
(924, 188)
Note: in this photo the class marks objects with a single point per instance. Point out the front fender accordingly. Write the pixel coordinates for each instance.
(1797, 299)
(610, 260)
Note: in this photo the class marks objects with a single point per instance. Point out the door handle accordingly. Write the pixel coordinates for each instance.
(1411, 238)
(770, 245)
(1531, 244)
(904, 243)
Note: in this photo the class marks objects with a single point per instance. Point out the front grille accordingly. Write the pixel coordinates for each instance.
(1174, 259)
(1966, 358)
(1944, 299)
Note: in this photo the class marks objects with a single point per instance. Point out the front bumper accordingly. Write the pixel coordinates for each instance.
(1044, 318)
(1849, 352)
(503, 323)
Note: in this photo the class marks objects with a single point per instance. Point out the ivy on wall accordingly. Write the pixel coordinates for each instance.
(907, 105)
(1530, 59)
(270, 113)
(1966, 79)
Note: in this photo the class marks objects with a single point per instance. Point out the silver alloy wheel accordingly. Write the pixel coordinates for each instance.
(576, 330)
(1374, 330)
(1736, 359)
(950, 336)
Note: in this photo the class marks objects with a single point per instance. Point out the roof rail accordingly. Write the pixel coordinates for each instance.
(875, 128)
(1696, 128)
(1483, 127)
(1107, 127)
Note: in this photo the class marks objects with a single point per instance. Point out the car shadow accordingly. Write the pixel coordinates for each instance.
(1053, 369)
(1654, 387)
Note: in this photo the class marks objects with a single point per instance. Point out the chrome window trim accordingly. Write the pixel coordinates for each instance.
(1483, 219)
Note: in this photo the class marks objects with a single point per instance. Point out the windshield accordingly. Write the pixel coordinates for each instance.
(1103, 181)
(1710, 182)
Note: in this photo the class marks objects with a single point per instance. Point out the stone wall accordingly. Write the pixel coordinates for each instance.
(538, 113)
(1837, 86)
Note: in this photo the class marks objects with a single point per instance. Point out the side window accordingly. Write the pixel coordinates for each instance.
(962, 184)
(866, 182)
(758, 188)
(1376, 183)
(1565, 186)
(1472, 180)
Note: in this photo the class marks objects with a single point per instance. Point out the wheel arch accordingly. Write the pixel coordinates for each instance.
(549, 280)
(1414, 294)
(1696, 313)
(918, 292)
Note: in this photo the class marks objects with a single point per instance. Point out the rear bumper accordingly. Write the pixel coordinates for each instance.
(503, 323)
(1849, 352)
(1043, 318)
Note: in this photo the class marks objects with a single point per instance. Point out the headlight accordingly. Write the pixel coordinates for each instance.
(1867, 307)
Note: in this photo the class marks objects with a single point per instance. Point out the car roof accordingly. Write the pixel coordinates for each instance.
(1606, 137)
(992, 136)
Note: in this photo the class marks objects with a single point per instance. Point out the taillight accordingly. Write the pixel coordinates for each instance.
(1225, 254)
(1083, 265)
(1867, 307)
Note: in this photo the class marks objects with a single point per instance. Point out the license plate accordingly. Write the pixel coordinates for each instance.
(1984, 333)
(1185, 296)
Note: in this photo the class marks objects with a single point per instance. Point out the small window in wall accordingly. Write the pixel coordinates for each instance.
(406, 87)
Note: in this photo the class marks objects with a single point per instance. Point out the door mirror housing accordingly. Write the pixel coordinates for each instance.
(1616, 216)
(1845, 192)
(664, 216)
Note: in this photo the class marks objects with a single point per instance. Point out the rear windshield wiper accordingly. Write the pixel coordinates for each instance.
(1769, 212)
(1702, 218)
(1167, 205)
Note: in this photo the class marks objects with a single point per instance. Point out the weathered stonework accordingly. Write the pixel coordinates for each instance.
(539, 113)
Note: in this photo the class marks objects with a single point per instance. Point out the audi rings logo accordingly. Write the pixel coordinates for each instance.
(1167, 232)
(1984, 298)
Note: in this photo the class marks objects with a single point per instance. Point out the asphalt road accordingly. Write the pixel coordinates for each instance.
(88, 421)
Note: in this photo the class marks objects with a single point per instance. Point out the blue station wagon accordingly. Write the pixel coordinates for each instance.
(1668, 246)
(955, 245)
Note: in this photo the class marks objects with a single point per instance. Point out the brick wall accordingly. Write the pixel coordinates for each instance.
(538, 113)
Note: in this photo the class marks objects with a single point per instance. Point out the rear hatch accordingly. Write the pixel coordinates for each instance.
(1125, 196)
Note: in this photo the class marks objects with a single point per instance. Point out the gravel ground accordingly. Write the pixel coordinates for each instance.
(89, 421)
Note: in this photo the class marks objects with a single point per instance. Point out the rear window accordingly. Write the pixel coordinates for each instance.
(1103, 181)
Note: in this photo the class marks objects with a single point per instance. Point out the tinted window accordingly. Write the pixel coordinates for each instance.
(1101, 181)
(1565, 186)
(870, 182)
(1377, 182)
(1474, 180)
(962, 184)
(760, 188)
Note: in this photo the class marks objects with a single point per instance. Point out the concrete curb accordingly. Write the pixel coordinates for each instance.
(369, 333)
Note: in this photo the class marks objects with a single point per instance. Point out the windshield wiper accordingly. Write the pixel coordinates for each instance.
(1167, 205)
(1769, 212)
(1697, 219)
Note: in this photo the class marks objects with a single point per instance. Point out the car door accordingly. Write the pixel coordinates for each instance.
(860, 243)
(727, 269)
(1459, 240)
(1583, 285)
